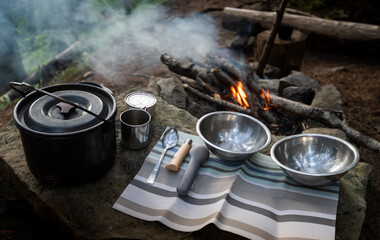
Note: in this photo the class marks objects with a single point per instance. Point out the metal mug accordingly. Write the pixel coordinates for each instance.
(135, 128)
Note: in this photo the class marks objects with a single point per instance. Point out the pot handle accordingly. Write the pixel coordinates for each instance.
(14, 85)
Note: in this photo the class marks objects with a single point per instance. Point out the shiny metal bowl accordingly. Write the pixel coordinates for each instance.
(314, 159)
(233, 136)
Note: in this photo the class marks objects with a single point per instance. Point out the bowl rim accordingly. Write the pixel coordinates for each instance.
(349, 145)
(262, 125)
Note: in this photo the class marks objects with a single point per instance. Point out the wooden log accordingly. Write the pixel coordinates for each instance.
(188, 70)
(220, 102)
(349, 31)
(199, 84)
(46, 72)
(329, 118)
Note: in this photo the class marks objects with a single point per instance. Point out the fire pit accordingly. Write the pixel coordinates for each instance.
(93, 212)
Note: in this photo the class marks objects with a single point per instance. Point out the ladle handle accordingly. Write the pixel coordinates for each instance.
(154, 173)
(24, 84)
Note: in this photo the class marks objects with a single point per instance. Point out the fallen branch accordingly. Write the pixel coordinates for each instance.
(46, 72)
(190, 71)
(336, 29)
(329, 118)
(199, 84)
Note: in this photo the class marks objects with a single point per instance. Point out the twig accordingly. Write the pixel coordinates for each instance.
(199, 84)
(139, 75)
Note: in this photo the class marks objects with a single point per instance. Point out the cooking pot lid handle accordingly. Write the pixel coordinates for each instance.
(23, 92)
(24, 84)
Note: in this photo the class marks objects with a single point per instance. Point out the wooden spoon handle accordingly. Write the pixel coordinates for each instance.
(178, 158)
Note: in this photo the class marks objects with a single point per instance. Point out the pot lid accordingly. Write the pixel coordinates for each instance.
(44, 114)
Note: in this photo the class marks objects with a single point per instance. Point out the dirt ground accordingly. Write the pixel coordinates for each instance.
(357, 77)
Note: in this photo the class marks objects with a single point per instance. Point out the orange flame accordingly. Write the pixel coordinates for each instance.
(265, 95)
(240, 95)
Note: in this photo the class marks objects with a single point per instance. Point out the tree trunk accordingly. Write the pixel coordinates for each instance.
(285, 54)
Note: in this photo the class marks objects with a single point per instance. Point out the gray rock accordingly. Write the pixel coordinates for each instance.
(352, 204)
(198, 110)
(172, 91)
(299, 79)
(272, 85)
(153, 86)
(328, 97)
(299, 94)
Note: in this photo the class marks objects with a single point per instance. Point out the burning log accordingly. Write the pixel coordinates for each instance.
(329, 118)
(224, 78)
(220, 102)
(334, 29)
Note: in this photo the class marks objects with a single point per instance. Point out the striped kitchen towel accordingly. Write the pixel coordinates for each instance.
(252, 198)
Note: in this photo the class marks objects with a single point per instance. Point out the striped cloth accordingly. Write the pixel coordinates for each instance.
(253, 198)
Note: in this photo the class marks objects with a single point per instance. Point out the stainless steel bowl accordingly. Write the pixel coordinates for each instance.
(314, 159)
(233, 136)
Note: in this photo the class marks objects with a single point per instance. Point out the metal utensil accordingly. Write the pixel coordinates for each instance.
(169, 140)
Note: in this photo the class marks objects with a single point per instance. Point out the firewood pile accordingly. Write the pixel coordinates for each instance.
(227, 85)
(214, 79)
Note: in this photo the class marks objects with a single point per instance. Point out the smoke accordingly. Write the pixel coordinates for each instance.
(149, 32)
(112, 37)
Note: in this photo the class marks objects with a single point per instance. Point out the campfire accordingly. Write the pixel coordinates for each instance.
(239, 94)
(219, 84)
(230, 85)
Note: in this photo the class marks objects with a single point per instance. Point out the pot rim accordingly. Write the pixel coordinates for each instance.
(22, 126)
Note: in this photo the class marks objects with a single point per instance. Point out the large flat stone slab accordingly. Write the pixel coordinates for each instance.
(85, 211)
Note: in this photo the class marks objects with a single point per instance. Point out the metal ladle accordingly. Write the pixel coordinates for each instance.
(169, 140)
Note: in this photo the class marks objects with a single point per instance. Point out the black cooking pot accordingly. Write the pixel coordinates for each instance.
(67, 131)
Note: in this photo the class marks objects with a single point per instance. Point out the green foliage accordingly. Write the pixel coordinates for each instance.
(38, 22)
(70, 73)
(144, 3)
(4, 102)
(36, 50)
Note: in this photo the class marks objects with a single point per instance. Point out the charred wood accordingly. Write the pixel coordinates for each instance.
(329, 118)
(199, 84)
(219, 102)
(188, 70)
